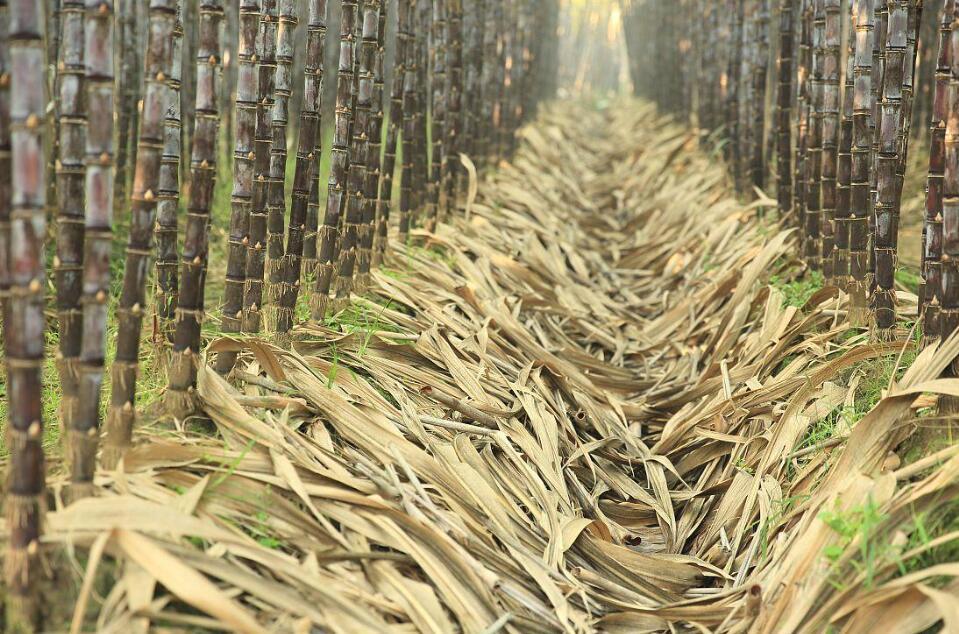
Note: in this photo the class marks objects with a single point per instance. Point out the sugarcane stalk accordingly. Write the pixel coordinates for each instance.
(931, 289)
(879, 71)
(814, 153)
(804, 106)
(832, 41)
(359, 154)
(263, 141)
(437, 113)
(488, 90)
(128, 94)
(840, 261)
(5, 172)
(306, 175)
(276, 194)
(70, 169)
(421, 144)
(410, 92)
(24, 320)
(244, 152)
(397, 116)
(98, 236)
(949, 292)
(329, 236)
(454, 90)
(374, 162)
(784, 99)
(158, 60)
(887, 162)
(168, 194)
(474, 26)
(203, 165)
(861, 167)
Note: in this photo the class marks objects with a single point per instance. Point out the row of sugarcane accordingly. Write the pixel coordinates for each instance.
(824, 94)
(466, 75)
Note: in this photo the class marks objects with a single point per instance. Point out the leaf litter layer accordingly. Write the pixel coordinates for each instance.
(603, 401)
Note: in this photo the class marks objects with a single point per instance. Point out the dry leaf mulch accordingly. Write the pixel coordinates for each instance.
(579, 409)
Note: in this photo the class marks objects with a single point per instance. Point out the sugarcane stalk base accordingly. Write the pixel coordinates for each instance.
(884, 303)
(20, 566)
(82, 460)
(180, 400)
(21, 611)
(119, 434)
(69, 371)
(320, 298)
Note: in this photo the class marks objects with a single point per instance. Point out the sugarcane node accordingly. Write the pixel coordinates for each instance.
(35, 429)
(101, 296)
(127, 407)
(35, 286)
(104, 159)
(136, 309)
(245, 240)
(33, 121)
(212, 60)
(160, 76)
(149, 195)
(103, 9)
(197, 260)
(33, 547)
(250, 155)
(92, 432)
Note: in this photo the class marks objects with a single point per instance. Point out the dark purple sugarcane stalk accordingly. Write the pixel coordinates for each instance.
(168, 195)
(203, 166)
(374, 163)
(831, 69)
(276, 193)
(889, 194)
(861, 167)
(840, 262)
(931, 289)
(306, 174)
(397, 117)
(329, 235)
(70, 180)
(263, 142)
(244, 153)
(24, 320)
(158, 60)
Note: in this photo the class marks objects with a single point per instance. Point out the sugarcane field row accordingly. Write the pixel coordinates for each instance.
(479, 316)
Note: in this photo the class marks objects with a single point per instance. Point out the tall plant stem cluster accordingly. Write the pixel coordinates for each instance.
(211, 92)
(853, 82)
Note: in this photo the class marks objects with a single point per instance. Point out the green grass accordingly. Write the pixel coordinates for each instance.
(908, 279)
(797, 291)
(927, 527)
(856, 527)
